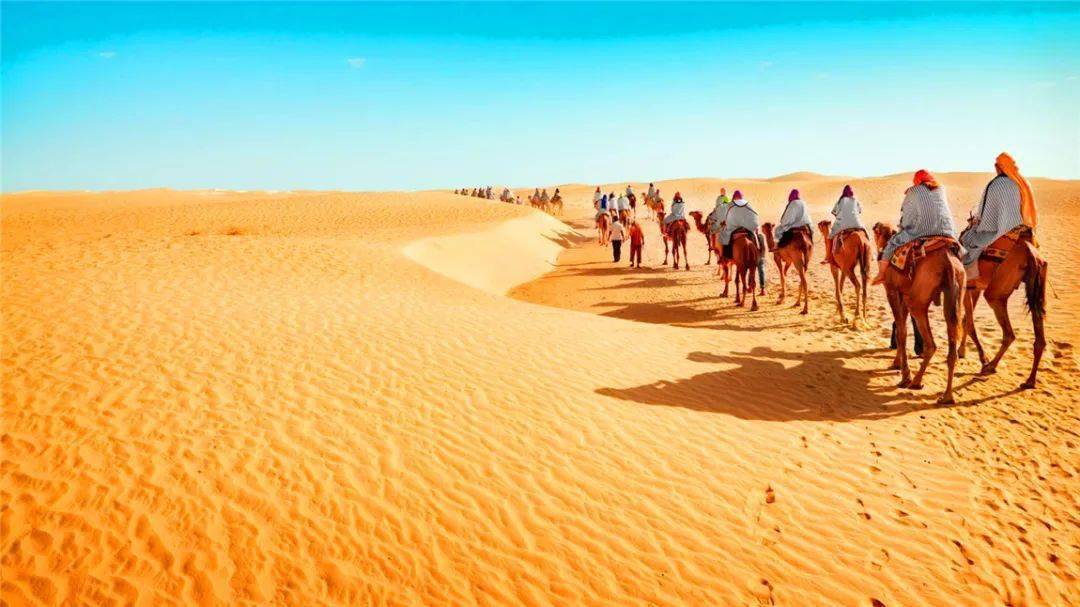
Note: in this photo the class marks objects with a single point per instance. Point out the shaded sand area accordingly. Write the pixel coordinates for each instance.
(327, 398)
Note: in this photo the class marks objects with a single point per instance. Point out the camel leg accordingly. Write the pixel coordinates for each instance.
(685, 257)
(922, 321)
(727, 280)
(804, 288)
(971, 300)
(783, 280)
(1000, 306)
(954, 293)
(752, 271)
(1040, 345)
(838, 287)
(740, 289)
(665, 251)
(901, 317)
(708, 252)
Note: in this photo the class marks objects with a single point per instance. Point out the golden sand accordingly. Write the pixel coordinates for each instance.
(327, 398)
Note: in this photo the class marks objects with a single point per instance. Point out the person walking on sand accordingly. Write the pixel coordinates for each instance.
(796, 215)
(924, 212)
(848, 214)
(616, 234)
(637, 243)
(1006, 204)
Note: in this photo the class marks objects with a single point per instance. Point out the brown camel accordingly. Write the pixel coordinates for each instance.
(937, 273)
(795, 252)
(852, 250)
(701, 227)
(557, 204)
(744, 256)
(998, 278)
(602, 223)
(676, 233)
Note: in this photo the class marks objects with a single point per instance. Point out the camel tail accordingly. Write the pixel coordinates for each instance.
(1035, 283)
(864, 261)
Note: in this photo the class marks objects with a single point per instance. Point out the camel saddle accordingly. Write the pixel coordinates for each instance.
(998, 250)
(838, 240)
(786, 238)
(907, 256)
(727, 250)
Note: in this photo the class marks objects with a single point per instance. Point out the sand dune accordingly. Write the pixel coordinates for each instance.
(326, 398)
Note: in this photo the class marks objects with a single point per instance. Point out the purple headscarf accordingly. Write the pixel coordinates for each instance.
(794, 195)
(848, 192)
(737, 195)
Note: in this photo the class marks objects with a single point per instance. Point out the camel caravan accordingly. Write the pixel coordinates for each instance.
(540, 201)
(921, 262)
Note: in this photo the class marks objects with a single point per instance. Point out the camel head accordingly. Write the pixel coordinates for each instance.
(824, 226)
(882, 233)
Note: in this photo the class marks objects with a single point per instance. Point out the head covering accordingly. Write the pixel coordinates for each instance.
(597, 188)
(723, 191)
(737, 195)
(794, 195)
(848, 192)
(1007, 166)
(603, 199)
(678, 196)
(923, 177)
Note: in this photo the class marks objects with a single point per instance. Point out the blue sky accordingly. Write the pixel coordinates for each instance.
(424, 95)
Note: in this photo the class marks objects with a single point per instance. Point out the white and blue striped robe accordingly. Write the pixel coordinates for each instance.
(847, 213)
(738, 216)
(925, 212)
(998, 213)
(795, 215)
(677, 212)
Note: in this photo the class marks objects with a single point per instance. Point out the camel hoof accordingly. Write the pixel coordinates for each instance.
(804, 312)
(754, 308)
(904, 383)
(915, 386)
(1028, 385)
(987, 370)
(946, 399)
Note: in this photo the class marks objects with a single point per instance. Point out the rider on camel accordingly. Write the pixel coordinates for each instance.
(924, 212)
(796, 215)
(847, 212)
(1006, 203)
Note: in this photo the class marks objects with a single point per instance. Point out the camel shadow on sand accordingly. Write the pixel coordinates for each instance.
(758, 385)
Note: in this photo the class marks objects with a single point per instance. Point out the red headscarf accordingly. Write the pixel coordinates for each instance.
(794, 195)
(678, 196)
(923, 177)
(848, 192)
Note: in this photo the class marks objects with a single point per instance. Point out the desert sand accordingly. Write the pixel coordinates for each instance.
(310, 398)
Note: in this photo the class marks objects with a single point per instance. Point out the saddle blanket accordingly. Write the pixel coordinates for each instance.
(905, 258)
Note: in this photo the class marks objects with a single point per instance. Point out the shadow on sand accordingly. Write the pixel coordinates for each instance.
(761, 387)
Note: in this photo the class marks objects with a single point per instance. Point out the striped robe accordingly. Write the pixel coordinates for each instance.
(712, 222)
(847, 213)
(925, 212)
(795, 215)
(998, 213)
(678, 211)
(738, 216)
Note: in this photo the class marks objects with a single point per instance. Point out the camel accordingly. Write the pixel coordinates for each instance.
(602, 223)
(938, 273)
(676, 233)
(998, 278)
(556, 204)
(701, 227)
(655, 204)
(853, 249)
(744, 256)
(624, 217)
(795, 252)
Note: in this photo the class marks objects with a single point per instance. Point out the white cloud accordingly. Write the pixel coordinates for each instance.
(107, 54)
(356, 62)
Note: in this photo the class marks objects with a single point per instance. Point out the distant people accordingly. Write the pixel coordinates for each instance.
(795, 216)
(488, 193)
(596, 198)
(622, 207)
(677, 212)
(629, 190)
(544, 198)
(602, 207)
(637, 243)
(924, 212)
(616, 233)
(740, 216)
(1007, 203)
(848, 216)
(652, 193)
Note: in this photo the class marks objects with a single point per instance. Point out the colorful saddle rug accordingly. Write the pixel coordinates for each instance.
(1000, 248)
(905, 258)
